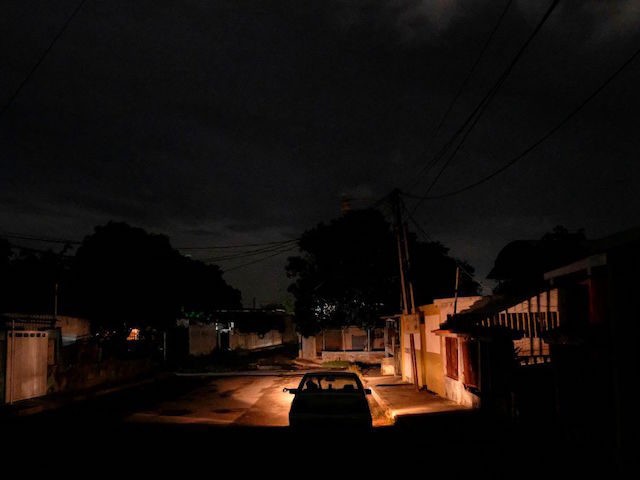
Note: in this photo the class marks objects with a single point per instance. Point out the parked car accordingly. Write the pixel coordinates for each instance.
(330, 399)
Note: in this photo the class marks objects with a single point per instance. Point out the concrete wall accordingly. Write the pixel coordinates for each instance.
(353, 356)
(289, 334)
(87, 375)
(308, 348)
(352, 338)
(72, 328)
(252, 341)
(203, 339)
(454, 390)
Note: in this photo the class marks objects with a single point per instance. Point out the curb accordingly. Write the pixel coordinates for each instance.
(381, 402)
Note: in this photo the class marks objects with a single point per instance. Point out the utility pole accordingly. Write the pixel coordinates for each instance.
(55, 301)
(412, 299)
(407, 296)
(455, 295)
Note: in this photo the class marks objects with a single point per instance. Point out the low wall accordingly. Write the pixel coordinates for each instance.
(354, 356)
(253, 341)
(88, 375)
(308, 348)
(203, 339)
(455, 390)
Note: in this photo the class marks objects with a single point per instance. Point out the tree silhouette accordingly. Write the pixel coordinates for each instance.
(347, 273)
(124, 276)
(520, 265)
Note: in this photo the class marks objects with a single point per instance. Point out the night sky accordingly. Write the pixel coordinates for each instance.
(219, 122)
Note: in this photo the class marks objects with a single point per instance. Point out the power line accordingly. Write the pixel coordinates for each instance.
(26, 79)
(36, 238)
(465, 81)
(477, 113)
(21, 236)
(258, 260)
(240, 245)
(245, 254)
(428, 238)
(540, 140)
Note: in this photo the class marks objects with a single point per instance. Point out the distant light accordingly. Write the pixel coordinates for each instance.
(134, 335)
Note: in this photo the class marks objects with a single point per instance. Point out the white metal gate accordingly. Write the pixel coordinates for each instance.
(26, 375)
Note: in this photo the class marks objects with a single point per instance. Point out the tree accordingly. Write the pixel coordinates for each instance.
(29, 278)
(123, 276)
(348, 272)
(520, 265)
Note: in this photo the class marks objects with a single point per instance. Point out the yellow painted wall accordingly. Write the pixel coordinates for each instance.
(434, 373)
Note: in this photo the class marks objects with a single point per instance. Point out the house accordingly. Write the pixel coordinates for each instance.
(594, 352)
(253, 329)
(30, 347)
(420, 347)
(350, 343)
(469, 357)
(237, 329)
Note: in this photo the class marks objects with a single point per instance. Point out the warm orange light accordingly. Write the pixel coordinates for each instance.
(134, 335)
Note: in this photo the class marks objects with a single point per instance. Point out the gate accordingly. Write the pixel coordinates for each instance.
(26, 374)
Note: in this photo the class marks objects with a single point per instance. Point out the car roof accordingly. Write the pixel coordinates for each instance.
(331, 373)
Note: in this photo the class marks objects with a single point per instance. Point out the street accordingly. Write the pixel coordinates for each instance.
(239, 400)
(238, 413)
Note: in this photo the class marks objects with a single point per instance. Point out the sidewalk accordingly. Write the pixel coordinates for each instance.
(398, 398)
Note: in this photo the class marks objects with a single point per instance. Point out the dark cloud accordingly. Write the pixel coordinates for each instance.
(225, 122)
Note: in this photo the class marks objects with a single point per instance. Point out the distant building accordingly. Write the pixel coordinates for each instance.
(350, 343)
(238, 329)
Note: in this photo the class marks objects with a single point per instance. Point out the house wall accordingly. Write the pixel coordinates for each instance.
(434, 376)
(308, 348)
(352, 339)
(432, 361)
(203, 339)
(72, 328)
(455, 389)
(354, 356)
(253, 341)
(289, 334)
(3, 364)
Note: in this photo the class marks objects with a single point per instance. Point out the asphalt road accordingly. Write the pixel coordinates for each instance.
(226, 401)
(243, 419)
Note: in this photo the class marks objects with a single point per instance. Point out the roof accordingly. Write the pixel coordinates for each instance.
(478, 331)
(468, 321)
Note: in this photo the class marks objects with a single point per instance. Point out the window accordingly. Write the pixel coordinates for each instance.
(451, 345)
(470, 363)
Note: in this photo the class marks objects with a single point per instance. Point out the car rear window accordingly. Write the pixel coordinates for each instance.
(327, 383)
